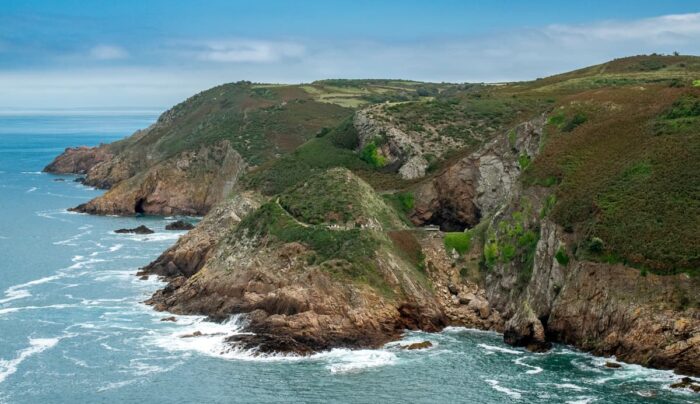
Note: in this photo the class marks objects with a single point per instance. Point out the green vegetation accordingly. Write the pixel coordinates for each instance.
(696, 83)
(547, 206)
(458, 241)
(682, 116)
(561, 256)
(370, 154)
(337, 197)
(622, 182)
(345, 253)
(524, 161)
(575, 121)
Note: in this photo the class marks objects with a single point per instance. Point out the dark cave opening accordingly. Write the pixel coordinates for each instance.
(138, 207)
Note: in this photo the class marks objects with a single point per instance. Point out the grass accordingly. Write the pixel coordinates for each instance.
(457, 241)
(348, 254)
(617, 180)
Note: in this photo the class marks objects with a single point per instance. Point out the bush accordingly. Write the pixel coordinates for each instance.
(491, 252)
(370, 154)
(406, 201)
(562, 257)
(595, 245)
(576, 120)
(458, 241)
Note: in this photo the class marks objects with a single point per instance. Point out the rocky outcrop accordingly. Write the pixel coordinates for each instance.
(192, 250)
(179, 225)
(189, 184)
(136, 230)
(478, 185)
(79, 160)
(404, 150)
(292, 306)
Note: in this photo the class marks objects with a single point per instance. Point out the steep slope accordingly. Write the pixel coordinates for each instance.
(313, 269)
(568, 209)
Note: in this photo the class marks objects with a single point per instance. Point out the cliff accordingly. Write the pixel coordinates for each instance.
(567, 207)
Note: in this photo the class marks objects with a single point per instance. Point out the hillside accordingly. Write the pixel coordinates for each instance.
(567, 209)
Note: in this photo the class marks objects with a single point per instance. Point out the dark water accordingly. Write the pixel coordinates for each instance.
(72, 328)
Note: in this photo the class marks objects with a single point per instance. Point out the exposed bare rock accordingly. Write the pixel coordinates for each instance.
(190, 252)
(179, 225)
(526, 330)
(189, 184)
(478, 185)
(78, 160)
(404, 150)
(418, 345)
(136, 230)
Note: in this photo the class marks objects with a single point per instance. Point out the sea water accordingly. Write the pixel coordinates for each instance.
(73, 327)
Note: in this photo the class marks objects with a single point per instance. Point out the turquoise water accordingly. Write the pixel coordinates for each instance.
(73, 329)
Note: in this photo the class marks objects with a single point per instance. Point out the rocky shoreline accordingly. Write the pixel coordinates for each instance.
(310, 281)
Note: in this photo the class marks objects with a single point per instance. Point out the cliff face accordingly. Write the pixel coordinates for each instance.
(79, 160)
(335, 286)
(188, 184)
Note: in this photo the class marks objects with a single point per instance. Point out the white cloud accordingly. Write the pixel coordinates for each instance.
(254, 51)
(170, 74)
(108, 52)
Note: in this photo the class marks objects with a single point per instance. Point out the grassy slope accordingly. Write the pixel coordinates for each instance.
(623, 161)
(620, 156)
(308, 212)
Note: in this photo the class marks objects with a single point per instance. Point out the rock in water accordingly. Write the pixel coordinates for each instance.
(418, 345)
(179, 225)
(687, 383)
(136, 230)
(612, 365)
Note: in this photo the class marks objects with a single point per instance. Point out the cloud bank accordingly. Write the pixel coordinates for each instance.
(171, 70)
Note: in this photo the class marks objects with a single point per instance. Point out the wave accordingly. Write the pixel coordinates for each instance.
(36, 345)
(516, 394)
(32, 189)
(20, 291)
(492, 348)
(51, 306)
(350, 361)
(533, 369)
(153, 237)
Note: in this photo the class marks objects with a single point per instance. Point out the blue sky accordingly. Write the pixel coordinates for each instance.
(66, 53)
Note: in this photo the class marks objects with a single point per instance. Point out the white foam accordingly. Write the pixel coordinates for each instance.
(32, 189)
(52, 306)
(516, 394)
(36, 345)
(533, 369)
(564, 386)
(582, 400)
(116, 247)
(32, 172)
(20, 291)
(153, 237)
(352, 361)
(116, 385)
(492, 348)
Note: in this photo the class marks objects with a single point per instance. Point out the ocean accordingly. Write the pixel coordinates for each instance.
(73, 328)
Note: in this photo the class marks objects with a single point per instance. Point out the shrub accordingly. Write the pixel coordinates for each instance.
(696, 83)
(524, 161)
(406, 201)
(561, 256)
(595, 245)
(370, 154)
(491, 252)
(458, 241)
(507, 252)
(575, 121)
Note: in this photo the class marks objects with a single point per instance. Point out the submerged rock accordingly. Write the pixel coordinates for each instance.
(179, 225)
(171, 318)
(136, 230)
(612, 365)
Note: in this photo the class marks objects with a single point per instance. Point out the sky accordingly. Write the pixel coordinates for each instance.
(153, 54)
